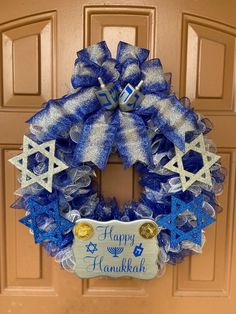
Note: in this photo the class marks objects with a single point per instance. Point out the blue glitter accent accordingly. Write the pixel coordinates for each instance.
(39, 215)
(193, 234)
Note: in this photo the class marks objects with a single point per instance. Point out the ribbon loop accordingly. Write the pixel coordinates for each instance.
(93, 62)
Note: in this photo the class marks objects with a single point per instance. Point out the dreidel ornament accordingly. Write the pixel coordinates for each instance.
(107, 95)
(130, 97)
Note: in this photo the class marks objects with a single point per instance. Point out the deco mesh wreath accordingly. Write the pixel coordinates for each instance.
(125, 106)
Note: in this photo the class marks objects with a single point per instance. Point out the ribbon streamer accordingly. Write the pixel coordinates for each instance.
(96, 139)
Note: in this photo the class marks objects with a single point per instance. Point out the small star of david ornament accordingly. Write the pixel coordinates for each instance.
(54, 164)
(202, 175)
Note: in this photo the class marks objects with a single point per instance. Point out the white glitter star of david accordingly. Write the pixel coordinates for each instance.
(202, 175)
(54, 164)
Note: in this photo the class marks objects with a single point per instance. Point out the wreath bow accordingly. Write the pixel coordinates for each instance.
(118, 115)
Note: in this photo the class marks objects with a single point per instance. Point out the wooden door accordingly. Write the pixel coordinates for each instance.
(196, 42)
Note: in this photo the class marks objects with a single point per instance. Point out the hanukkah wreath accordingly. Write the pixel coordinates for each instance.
(125, 106)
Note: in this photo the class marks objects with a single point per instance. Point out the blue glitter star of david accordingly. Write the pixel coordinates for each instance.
(38, 217)
(178, 207)
(91, 247)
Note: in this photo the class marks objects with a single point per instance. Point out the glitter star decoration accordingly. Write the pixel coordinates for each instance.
(202, 175)
(54, 164)
(179, 207)
(46, 222)
(91, 247)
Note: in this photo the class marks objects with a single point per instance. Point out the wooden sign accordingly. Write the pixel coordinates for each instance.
(116, 248)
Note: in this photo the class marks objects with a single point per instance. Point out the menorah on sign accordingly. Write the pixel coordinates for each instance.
(115, 250)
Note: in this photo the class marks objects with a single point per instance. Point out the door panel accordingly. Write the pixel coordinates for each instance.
(135, 25)
(208, 67)
(195, 40)
(27, 45)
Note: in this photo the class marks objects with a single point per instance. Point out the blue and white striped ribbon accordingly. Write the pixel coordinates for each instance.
(171, 117)
(132, 140)
(60, 114)
(96, 139)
